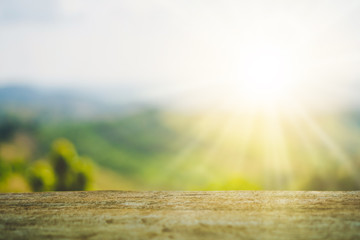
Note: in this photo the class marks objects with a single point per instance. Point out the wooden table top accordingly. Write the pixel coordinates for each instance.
(180, 215)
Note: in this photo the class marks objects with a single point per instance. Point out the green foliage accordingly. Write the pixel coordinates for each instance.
(158, 150)
(41, 176)
(8, 126)
(64, 170)
(5, 170)
(11, 123)
(126, 145)
(232, 183)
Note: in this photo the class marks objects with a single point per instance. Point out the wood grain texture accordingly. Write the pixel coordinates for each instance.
(180, 215)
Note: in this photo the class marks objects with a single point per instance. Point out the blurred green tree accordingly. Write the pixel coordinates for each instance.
(5, 170)
(41, 176)
(64, 170)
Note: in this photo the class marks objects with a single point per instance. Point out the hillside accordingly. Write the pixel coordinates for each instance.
(155, 148)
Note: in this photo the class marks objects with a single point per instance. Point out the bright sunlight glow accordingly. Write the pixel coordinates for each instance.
(267, 79)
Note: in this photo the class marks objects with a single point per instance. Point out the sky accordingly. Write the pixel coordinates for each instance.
(201, 47)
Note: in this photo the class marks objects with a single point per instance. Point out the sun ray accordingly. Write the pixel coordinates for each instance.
(311, 154)
(246, 132)
(202, 130)
(277, 167)
(340, 156)
(282, 148)
(221, 135)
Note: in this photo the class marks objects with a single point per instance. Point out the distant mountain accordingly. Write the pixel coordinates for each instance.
(31, 102)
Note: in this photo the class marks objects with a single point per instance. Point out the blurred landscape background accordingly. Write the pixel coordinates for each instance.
(169, 95)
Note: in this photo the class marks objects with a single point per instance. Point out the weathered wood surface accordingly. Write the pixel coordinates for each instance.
(180, 215)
